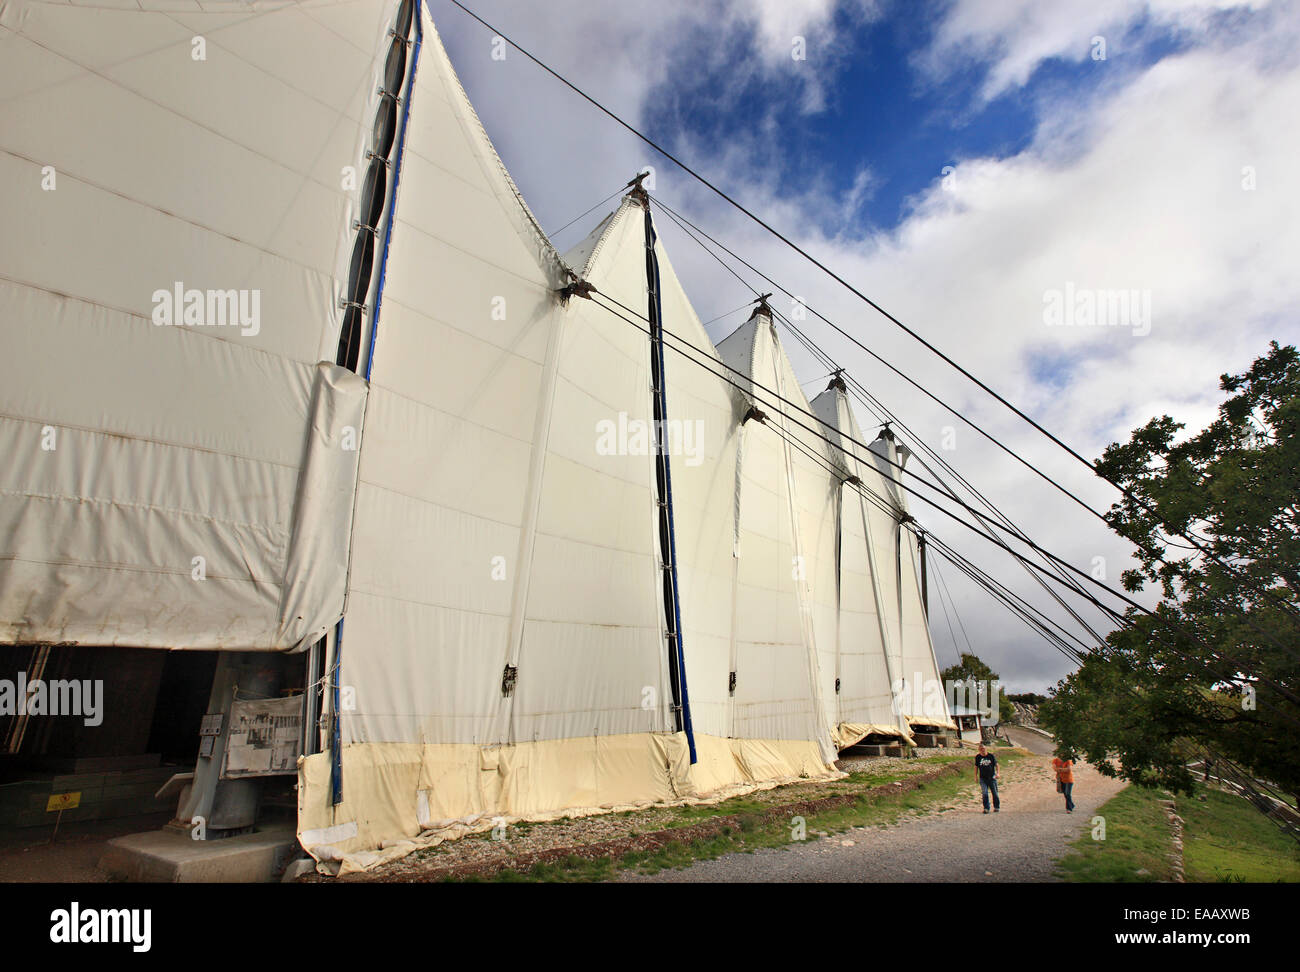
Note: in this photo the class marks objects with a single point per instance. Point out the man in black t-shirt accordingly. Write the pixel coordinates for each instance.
(986, 772)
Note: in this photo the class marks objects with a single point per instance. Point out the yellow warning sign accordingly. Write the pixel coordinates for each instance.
(63, 801)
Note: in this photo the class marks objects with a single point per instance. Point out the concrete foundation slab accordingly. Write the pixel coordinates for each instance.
(169, 857)
(872, 749)
(930, 740)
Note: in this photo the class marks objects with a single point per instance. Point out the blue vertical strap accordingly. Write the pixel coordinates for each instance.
(664, 479)
(397, 175)
(336, 739)
(336, 729)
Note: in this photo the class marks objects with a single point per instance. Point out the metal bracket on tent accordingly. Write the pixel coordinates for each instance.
(731, 683)
(577, 288)
(358, 225)
(638, 191)
(763, 307)
(837, 380)
(405, 40)
(385, 93)
(906, 518)
(755, 414)
(375, 155)
(508, 678)
(344, 304)
(853, 481)
(837, 686)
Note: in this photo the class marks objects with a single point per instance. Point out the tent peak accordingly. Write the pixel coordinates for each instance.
(762, 307)
(637, 191)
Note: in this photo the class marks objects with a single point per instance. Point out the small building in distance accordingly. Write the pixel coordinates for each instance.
(969, 724)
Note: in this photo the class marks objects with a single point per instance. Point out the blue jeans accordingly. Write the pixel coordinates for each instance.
(985, 787)
(1068, 790)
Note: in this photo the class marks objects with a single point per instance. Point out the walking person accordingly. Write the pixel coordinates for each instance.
(1063, 764)
(986, 772)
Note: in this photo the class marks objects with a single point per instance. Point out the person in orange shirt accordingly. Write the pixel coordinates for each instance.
(1063, 764)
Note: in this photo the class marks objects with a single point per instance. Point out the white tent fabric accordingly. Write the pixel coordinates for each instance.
(155, 446)
(783, 498)
(480, 505)
(866, 700)
(915, 671)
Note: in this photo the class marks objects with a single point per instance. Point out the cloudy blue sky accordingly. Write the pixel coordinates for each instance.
(960, 161)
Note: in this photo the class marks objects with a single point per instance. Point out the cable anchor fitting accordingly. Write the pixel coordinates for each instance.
(577, 287)
(637, 191)
(762, 307)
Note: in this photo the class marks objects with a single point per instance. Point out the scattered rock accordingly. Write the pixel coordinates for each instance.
(1026, 715)
(1176, 839)
(296, 869)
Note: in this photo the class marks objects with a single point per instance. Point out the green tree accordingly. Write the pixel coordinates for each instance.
(972, 669)
(1028, 698)
(1218, 665)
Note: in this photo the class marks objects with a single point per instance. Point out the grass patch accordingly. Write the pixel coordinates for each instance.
(686, 816)
(1138, 839)
(1224, 839)
(1227, 839)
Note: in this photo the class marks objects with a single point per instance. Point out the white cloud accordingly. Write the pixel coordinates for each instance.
(778, 22)
(1147, 193)
(1015, 36)
(559, 147)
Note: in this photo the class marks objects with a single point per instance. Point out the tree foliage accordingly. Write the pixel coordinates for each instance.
(1218, 666)
(1028, 698)
(972, 669)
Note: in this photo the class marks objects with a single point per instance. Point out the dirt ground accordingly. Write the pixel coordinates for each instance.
(27, 854)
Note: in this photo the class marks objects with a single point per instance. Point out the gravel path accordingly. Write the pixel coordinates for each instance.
(1032, 741)
(958, 842)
